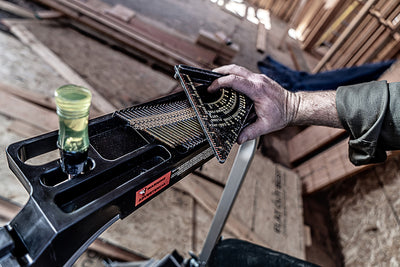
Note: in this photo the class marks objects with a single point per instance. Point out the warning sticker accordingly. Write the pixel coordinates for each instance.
(152, 188)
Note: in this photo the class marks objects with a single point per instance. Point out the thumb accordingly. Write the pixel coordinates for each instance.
(251, 132)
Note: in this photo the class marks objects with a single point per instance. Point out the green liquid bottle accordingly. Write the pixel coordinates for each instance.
(73, 103)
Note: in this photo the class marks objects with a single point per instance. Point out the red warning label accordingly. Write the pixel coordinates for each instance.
(152, 188)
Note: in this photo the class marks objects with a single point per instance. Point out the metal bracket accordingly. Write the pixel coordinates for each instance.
(238, 172)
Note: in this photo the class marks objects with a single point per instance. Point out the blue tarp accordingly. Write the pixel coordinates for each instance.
(293, 80)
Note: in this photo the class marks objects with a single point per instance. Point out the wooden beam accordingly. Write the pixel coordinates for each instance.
(345, 35)
(121, 12)
(8, 209)
(351, 47)
(326, 168)
(111, 28)
(310, 140)
(16, 10)
(329, 167)
(17, 108)
(261, 42)
(198, 191)
(363, 52)
(321, 26)
(24, 129)
(98, 101)
(48, 14)
(37, 98)
(298, 58)
(126, 29)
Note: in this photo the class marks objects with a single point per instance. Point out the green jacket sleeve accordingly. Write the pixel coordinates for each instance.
(370, 112)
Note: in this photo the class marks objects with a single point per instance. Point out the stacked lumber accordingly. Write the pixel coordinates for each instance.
(282, 9)
(355, 32)
(146, 41)
(220, 43)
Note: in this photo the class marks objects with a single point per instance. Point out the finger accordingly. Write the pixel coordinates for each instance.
(234, 69)
(251, 132)
(237, 83)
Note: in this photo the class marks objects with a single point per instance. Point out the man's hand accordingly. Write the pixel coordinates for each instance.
(276, 107)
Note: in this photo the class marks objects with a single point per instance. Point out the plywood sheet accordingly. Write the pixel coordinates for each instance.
(278, 211)
(156, 229)
(366, 225)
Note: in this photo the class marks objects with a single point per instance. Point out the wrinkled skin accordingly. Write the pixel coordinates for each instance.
(274, 106)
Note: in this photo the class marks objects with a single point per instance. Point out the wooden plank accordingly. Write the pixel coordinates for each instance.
(195, 187)
(298, 58)
(279, 213)
(15, 107)
(290, 24)
(369, 39)
(364, 52)
(141, 46)
(16, 10)
(37, 98)
(322, 25)
(147, 34)
(345, 35)
(317, 16)
(156, 229)
(261, 42)
(329, 167)
(390, 50)
(24, 129)
(8, 209)
(311, 139)
(307, 15)
(48, 14)
(349, 50)
(294, 6)
(254, 207)
(339, 20)
(391, 11)
(98, 101)
(121, 12)
(217, 42)
(102, 68)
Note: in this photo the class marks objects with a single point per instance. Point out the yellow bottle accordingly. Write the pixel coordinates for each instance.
(73, 103)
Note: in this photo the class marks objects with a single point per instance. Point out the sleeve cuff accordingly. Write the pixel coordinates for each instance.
(361, 109)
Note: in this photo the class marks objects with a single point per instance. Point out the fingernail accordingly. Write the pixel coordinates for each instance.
(241, 140)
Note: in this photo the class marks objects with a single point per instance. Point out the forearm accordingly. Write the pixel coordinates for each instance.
(315, 108)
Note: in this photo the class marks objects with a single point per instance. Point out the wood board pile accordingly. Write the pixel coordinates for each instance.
(344, 33)
(157, 47)
(355, 32)
(281, 8)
